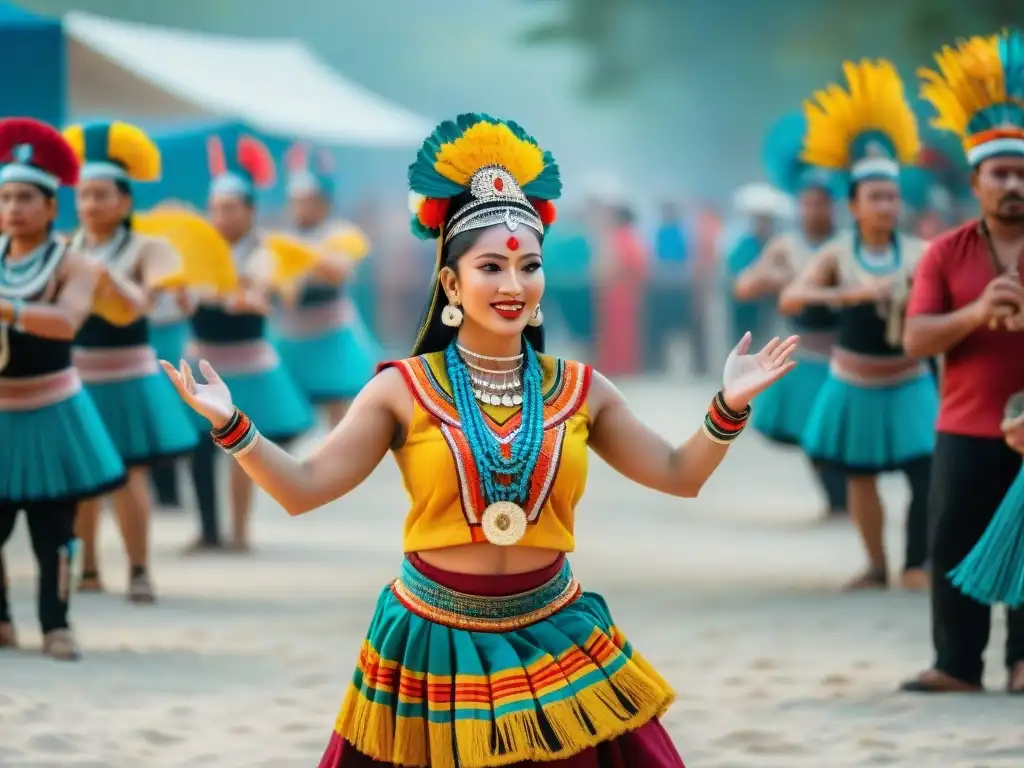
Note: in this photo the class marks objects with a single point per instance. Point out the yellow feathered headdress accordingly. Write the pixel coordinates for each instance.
(978, 93)
(116, 150)
(868, 129)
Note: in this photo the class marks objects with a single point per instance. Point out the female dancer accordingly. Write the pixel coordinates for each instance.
(486, 651)
(782, 411)
(876, 411)
(323, 342)
(117, 362)
(54, 449)
(231, 333)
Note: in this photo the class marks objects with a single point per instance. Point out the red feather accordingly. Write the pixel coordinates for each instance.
(50, 151)
(256, 159)
(545, 209)
(215, 157)
(433, 211)
(296, 159)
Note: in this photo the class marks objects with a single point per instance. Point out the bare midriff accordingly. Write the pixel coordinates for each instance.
(486, 559)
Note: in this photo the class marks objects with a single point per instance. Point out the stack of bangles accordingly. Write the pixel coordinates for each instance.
(238, 436)
(722, 425)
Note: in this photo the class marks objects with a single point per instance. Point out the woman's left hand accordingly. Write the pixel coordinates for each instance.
(746, 375)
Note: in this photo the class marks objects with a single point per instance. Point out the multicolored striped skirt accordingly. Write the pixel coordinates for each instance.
(463, 671)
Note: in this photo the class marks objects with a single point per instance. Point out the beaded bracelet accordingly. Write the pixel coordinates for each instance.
(722, 425)
(238, 436)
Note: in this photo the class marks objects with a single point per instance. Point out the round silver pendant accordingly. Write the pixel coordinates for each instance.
(495, 399)
(506, 400)
(503, 523)
(517, 399)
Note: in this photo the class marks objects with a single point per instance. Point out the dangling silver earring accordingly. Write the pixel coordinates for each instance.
(536, 318)
(451, 315)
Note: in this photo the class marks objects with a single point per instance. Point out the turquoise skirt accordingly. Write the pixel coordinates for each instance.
(58, 453)
(871, 429)
(169, 340)
(780, 413)
(535, 676)
(145, 417)
(271, 399)
(333, 365)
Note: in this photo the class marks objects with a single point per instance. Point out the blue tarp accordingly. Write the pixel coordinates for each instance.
(32, 57)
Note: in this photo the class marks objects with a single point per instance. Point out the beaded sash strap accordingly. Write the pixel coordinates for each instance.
(563, 398)
(475, 613)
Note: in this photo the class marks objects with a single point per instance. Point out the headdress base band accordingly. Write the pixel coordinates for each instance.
(28, 174)
(102, 170)
(996, 147)
(875, 168)
(231, 184)
(511, 216)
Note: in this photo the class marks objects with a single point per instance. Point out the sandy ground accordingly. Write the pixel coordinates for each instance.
(244, 660)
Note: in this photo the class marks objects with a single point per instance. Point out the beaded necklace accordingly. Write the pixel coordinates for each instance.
(490, 460)
(28, 277)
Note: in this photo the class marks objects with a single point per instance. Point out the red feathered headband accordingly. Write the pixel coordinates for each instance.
(35, 153)
(252, 162)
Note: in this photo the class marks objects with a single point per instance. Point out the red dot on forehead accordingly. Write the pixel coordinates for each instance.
(513, 244)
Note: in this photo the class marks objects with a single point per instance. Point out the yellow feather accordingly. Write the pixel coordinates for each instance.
(966, 80)
(873, 100)
(206, 259)
(489, 144)
(75, 137)
(126, 144)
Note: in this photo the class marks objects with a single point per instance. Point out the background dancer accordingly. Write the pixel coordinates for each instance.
(782, 411)
(54, 449)
(966, 289)
(231, 333)
(115, 360)
(323, 341)
(876, 411)
(479, 377)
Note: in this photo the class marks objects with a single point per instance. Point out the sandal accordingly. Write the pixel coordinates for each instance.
(937, 681)
(90, 582)
(8, 637)
(60, 644)
(873, 578)
(140, 589)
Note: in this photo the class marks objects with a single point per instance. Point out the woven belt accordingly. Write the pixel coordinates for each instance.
(477, 613)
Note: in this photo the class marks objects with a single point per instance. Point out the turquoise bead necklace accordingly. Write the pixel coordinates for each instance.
(490, 461)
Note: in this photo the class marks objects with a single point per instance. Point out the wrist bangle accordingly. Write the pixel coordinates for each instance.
(723, 425)
(219, 433)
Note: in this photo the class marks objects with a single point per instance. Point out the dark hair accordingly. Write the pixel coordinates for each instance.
(435, 336)
(125, 188)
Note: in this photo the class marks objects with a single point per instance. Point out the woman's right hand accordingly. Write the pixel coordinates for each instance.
(211, 400)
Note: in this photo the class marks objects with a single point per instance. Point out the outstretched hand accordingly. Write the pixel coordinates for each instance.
(211, 400)
(746, 375)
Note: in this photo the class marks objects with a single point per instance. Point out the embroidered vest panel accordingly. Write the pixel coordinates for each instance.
(440, 475)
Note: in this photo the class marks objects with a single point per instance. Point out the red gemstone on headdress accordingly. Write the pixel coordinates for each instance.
(513, 244)
(498, 183)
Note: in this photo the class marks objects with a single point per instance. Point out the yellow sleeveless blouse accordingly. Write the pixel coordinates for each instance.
(441, 478)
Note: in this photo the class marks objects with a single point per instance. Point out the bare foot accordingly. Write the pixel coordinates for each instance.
(1015, 684)
(8, 637)
(60, 644)
(240, 547)
(936, 681)
(915, 580)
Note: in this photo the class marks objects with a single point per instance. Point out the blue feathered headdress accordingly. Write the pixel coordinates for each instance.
(783, 146)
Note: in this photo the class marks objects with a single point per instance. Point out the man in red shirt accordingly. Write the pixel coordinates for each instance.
(967, 304)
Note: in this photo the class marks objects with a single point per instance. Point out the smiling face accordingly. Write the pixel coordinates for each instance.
(498, 281)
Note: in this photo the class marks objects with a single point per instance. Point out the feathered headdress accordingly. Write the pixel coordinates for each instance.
(868, 129)
(309, 171)
(117, 150)
(251, 168)
(783, 147)
(498, 170)
(33, 152)
(978, 93)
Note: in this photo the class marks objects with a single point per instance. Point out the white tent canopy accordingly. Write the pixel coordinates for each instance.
(277, 86)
